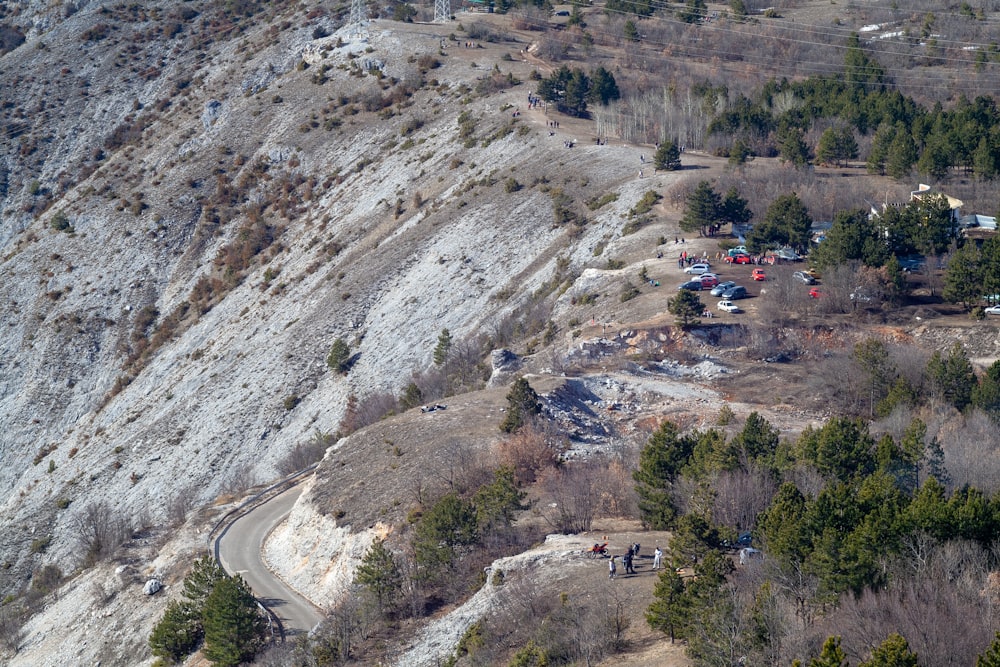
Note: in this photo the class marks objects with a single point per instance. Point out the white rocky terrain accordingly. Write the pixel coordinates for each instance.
(197, 199)
(137, 159)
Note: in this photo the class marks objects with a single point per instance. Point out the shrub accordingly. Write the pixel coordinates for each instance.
(60, 222)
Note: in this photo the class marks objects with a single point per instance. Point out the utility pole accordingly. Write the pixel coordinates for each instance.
(359, 15)
(442, 11)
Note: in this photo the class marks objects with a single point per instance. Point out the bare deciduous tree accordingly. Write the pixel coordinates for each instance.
(101, 530)
(740, 495)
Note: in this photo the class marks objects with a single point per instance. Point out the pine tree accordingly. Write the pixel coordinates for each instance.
(734, 208)
(234, 628)
(497, 503)
(893, 652)
(380, 575)
(660, 462)
(686, 307)
(953, 376)
(522, 406)
(339, 359)
(831, 655)
(198, 584)
(991, 658)
(669, 611)
(702, 209)
(178, 632)
(667, 156)
(442, 532)
(442, 348)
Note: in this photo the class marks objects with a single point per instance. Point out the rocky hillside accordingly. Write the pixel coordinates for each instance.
(198, 200)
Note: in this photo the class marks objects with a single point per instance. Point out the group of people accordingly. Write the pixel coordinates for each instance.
(628, 561)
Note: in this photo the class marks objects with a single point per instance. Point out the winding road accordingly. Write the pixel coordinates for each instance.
(239, 551)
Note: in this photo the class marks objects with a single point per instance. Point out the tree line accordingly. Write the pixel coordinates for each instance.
(840, 515)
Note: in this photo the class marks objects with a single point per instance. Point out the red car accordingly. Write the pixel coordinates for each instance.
(758, 274)
(709, 280)
(814, 292)
(738, 259)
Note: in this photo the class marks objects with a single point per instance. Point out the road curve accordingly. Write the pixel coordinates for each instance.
(239, 550)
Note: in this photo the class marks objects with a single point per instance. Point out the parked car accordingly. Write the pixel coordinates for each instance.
(733, 293)
(788, 254)
(992, 310)
(812, 273)
(803, 277)
(758, 274)
(738, 259)
(729, 307)
(722, 287)
(708, 280)
(738, 250)
(698, 269)
(814, 293)
(693, 285)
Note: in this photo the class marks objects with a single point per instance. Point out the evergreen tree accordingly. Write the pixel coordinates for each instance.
(522, 406)
(740, 153)
(629, 31)
(603, 87)
(442, 348)
(786, 222)
(986, 394)
(936, 158)
(234, 628)
(198, 584)
(792, 147)
(498, 502)
(660, 462)
(928, 511)
(826, 149)
(339, 359)
(901, 155)
(686, 307)
(412, 396)
(758, 440)
(669, 611)
(991, 658)
(735, 209)
(831, 655)
(702, 209)
(667, 156)
(964, 278)
(879, 153)
(442, 532)
(953, 376)
(984, 160)
(576, 95)
(380, 575)
(694, 11)
(178, 632)
(781, 525)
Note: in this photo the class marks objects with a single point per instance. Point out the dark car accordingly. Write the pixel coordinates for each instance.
(738, 292)
(693, 285)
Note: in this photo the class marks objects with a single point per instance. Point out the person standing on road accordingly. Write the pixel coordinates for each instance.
(612, 570)
(657, 558)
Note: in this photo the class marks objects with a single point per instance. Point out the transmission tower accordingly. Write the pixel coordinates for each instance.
(442, 11)
(359, 15)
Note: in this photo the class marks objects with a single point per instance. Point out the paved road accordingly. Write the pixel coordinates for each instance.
(239, 552)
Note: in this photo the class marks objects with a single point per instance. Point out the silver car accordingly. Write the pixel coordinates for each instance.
(722, 287)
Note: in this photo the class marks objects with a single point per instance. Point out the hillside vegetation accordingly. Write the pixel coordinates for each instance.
(236, 235)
